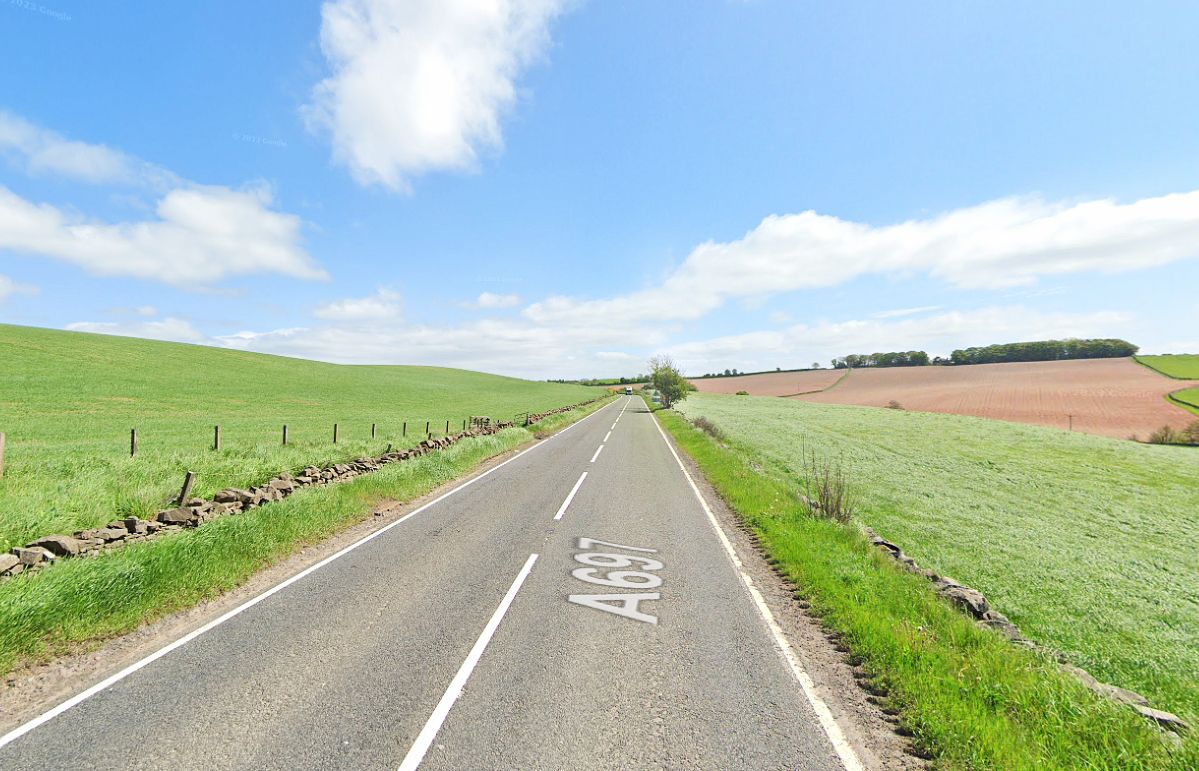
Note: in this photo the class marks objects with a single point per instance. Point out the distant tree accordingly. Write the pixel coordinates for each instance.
(727, 372)
(815, 365)
(892, 359)
(668, 380)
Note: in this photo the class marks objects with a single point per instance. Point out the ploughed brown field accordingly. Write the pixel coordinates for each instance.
(770, 383)
(1107, 397)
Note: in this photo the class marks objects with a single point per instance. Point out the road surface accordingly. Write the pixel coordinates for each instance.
(483, 631)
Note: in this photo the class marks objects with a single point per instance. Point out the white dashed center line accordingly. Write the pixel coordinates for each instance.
(597, 452)
(417, 753)
(570, 497)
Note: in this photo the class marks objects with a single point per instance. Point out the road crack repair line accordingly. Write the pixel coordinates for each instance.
(824, 715)
(425, 738)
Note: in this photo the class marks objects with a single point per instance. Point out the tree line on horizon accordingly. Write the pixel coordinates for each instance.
(1040, 350)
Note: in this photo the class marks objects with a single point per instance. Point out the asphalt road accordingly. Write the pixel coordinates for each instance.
(482, 633)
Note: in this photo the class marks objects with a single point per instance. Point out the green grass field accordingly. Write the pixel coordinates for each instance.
(966, 698)
(1188, 399)
(1086, 543)
(1182, 366)
(68, 401)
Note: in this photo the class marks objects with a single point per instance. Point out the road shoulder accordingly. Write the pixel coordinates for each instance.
(869, 730)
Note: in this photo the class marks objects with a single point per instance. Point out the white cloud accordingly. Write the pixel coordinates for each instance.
(172, 329)
(517, 348)
(39, 151)
(1005, 243)
(937, 334)
(201, 236)
(202, 233)
(8, 288)
(419, 85)
(906, 312)
(143, 310)
(489, 300)
(384, 305)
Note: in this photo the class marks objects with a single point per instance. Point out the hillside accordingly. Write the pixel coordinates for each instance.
(1106, 397)
(68, 401)
(1081, 540)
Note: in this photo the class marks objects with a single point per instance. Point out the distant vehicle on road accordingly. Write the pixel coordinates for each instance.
(628, 390)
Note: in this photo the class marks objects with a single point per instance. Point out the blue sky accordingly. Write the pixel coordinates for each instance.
(561, 189)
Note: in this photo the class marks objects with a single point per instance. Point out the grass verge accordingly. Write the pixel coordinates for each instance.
(85, 601)
(967, 697)
(552, 423)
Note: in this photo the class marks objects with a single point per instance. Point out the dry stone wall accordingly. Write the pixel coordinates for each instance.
(973, 602)
(39, 554)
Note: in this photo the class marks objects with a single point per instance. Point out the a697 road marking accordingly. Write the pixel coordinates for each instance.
(618, 577)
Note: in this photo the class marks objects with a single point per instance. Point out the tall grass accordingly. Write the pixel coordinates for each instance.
(1085, 543)
(964, 695)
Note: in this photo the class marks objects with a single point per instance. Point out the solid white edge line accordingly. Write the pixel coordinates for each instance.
(571, 497)
(597, 452)
(425, 738)
(844, 751)
(78, 699)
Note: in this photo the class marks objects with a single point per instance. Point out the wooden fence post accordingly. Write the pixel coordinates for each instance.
(372, 430)
(447, 426)
(188, 481)
(1, 456)
(216, 438)
(132, 442)
(405, 429)
(334, 433)
(284, 434)
(427, 432)
(464, 424)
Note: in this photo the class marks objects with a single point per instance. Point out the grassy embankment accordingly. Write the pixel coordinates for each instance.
(1084, 542)
(1179, 367)
(87, 600)
(69, 400)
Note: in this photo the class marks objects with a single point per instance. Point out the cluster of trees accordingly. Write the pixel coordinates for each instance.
(1045, 350)
(893, 359)
(668, 380)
